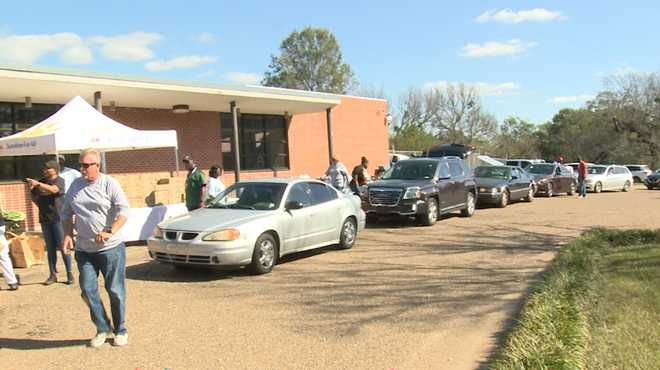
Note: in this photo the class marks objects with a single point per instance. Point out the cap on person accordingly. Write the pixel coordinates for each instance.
(187, 159)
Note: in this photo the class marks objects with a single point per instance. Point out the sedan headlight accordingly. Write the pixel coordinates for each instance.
(484, 190)
(497, 190)
(158, 233)
(412, 193)
(222, 235)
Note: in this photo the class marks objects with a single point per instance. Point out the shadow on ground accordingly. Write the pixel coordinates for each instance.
(34, 344)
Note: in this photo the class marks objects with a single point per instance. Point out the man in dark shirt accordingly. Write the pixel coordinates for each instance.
(47, 194)
(582, 175)
(194, 185)
(360, 176)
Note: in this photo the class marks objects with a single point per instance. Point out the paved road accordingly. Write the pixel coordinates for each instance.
(404, 297)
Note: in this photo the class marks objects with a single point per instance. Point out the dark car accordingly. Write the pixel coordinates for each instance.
(653, 180)
(423, 188)
(501, 184)
(552, 179)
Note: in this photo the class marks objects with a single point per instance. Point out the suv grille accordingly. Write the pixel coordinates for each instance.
(384, 197)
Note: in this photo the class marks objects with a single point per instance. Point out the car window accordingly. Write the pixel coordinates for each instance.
(511, 163)
(515, 173)
(321, 193)
(455, 169)
(443, 170)
(300, 192)
(255, 196)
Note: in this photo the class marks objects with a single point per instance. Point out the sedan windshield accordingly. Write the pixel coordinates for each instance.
(494, 172)
(256, 196)
(541, 169)
(411, 170)
(596, 170)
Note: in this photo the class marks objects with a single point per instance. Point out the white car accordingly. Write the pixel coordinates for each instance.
(613, 177)
(639, 171)
(254, 223)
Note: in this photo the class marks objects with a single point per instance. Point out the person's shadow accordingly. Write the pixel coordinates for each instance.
(30, 344)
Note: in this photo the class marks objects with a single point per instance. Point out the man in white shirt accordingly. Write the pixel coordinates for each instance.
(68, 174)
(214, 185)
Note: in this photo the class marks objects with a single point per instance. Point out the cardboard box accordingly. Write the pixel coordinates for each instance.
(27, 250)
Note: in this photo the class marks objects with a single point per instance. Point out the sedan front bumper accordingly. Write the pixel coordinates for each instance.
(221, 253)
(489, 198)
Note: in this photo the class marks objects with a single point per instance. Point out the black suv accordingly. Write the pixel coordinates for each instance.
(424, 188)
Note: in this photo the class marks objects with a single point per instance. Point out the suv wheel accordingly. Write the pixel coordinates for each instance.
(649, 187)
(468, 211)
(504, 200)
(431, 216)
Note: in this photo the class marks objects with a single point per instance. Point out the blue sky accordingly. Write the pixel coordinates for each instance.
(529, 59)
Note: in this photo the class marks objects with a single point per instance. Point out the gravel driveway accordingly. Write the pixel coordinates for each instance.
(404, 297)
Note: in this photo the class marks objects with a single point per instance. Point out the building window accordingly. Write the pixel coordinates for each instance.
(263, 142)
(14, 118)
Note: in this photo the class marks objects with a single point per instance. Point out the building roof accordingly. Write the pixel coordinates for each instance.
(57, 86)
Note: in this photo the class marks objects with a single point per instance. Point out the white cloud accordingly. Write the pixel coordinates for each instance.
(26, 49)
(484, 88)
(244, 78)
(570, 99)
(183, 62)
(134, 46)
(205, 38)
(495, 48)
(509, 16)
(206, 74)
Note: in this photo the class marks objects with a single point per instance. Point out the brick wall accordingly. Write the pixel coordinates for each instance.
(16, 197)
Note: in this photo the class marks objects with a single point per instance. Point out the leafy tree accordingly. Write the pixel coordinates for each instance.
(310, 60)
(516, 138)
(412, 137)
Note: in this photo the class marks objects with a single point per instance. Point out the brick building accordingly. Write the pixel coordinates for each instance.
(281, 132)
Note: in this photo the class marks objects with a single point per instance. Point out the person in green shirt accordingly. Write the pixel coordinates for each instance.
(194, 185)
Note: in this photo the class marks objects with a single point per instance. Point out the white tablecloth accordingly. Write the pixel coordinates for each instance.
(142, 221)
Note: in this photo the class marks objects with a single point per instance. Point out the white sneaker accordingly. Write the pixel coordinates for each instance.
(120, 340)
(98, 340)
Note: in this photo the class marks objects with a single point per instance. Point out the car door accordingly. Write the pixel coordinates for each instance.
(300, 223)
(457, 183)
(517, 185)
(444, 187)
(326, 214)
(610, 178)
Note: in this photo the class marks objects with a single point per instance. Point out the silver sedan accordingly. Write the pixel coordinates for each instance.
(254, 223)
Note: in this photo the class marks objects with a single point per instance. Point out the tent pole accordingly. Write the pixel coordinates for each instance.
(99, 107)
(176, 158)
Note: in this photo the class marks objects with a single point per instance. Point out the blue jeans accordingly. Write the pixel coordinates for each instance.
(112, 264)
(53, 235)
(582, 186)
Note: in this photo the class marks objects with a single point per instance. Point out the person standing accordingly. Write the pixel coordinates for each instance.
(6, 267)
(100, 207)
(47, 194)
(582, 176)
(337, 174)
(194, 185)
(68, 174)
(214, 185)
(360, 175)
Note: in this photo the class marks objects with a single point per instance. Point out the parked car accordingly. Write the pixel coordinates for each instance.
(423, 188)
(552, 178)
(501, 184)
(522, 163)
(653, 180)
(613, 177)
(639, 172)
(254, 223)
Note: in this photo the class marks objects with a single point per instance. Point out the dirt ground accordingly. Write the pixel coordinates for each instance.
(404, 297)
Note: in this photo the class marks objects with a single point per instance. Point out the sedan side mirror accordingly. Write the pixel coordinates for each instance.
(514, 177)
(293, 205)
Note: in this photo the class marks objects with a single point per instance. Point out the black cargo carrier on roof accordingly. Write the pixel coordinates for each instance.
(450, 150)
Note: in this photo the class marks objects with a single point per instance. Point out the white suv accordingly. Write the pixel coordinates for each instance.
(612, 177)
(639, 171)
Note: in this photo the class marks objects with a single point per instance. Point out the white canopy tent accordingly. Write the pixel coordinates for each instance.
(78, 126)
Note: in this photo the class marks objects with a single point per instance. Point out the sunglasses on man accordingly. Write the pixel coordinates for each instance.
(87, 165)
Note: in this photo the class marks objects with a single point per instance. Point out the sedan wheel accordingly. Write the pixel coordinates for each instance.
(470, 206)
(264, 255)
(549, 193)
(530, 195)
(626, 186)
(348, 234)
(504, 200)
(571, 189)
(598, 187)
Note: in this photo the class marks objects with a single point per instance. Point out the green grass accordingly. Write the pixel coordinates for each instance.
(598, 307)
